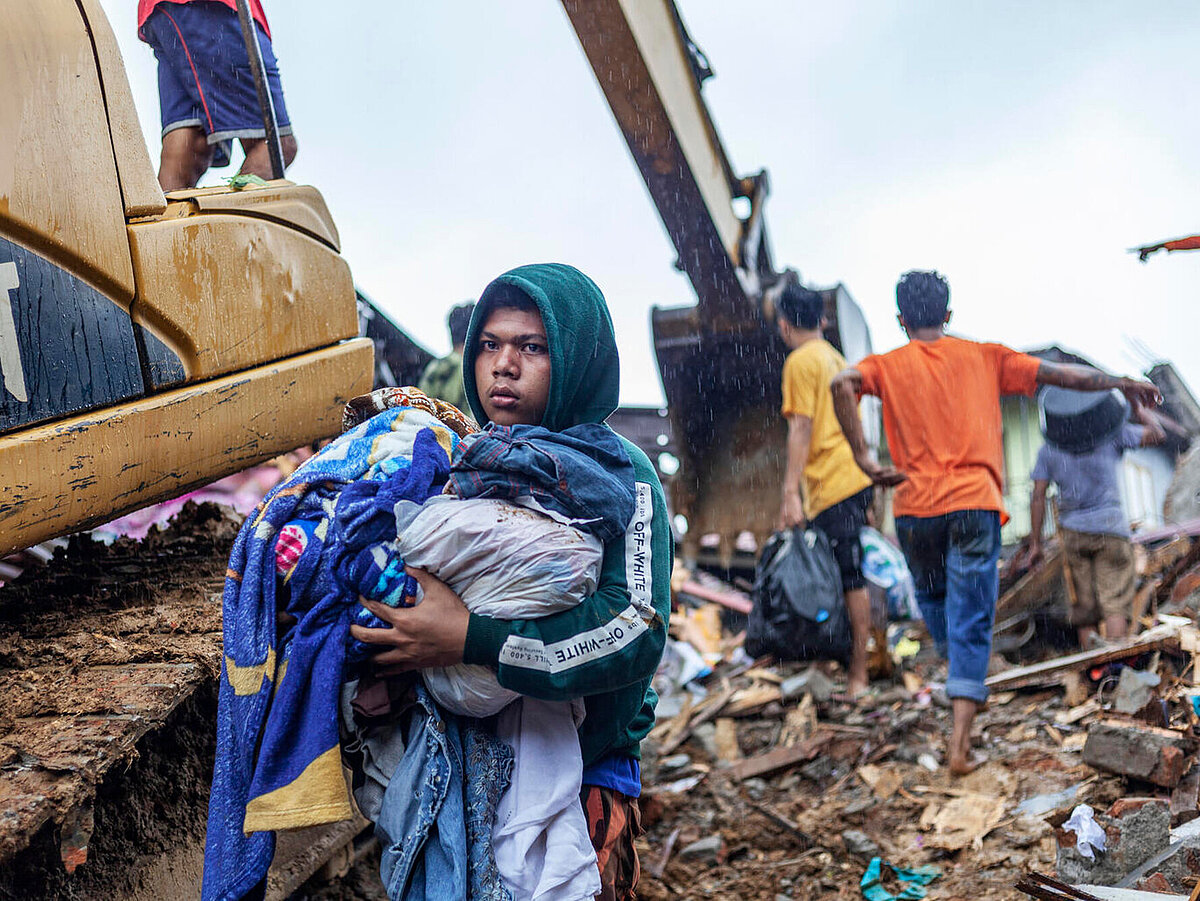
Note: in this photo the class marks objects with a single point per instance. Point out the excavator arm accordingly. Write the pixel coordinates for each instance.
(721, 359)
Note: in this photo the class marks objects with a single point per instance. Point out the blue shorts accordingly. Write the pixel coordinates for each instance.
(204, 77)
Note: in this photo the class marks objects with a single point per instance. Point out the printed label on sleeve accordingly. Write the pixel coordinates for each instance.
(638, 578)
(529, 653)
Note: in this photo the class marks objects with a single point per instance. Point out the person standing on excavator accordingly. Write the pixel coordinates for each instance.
(206, 93)
(941, 413)
(836, 492)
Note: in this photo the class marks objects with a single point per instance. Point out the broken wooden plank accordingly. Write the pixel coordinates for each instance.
(735, 601)
(1163, 593)
(753, 699)
(706, 711)
(1033, 587)
(779, 758)
(660, 867)
(1048, 670)
(1141, 601)
(726, 740)
(1160, 558)
(778, 819)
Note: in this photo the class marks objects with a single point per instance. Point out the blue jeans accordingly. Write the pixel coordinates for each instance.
(953, 562)
(435, 824)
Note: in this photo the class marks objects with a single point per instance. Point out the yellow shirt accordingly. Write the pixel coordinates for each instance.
(831, 475)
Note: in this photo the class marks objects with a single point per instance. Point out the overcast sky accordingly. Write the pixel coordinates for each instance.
(1020, 148)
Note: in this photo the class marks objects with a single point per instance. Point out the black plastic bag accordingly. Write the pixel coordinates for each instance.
(799, 611)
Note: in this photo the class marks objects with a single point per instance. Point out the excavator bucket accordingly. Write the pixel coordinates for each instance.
(724, 397)
(720, 360)
(148, 344)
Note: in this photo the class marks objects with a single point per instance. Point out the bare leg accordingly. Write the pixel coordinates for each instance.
(1114, 627)
(961, 761)
(258, 158)
(858, 606)
(186, 156)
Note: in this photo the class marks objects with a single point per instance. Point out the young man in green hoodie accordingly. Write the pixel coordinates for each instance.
(541, 350)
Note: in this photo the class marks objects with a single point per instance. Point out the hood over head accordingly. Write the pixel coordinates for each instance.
(584, 367)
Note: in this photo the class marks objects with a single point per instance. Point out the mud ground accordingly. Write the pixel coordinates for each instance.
(108, 658)
(824, 798)
(762, 859)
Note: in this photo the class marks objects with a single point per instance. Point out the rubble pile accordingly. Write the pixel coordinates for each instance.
(763, 780)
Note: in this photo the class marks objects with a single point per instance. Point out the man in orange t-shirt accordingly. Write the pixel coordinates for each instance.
(941, 411)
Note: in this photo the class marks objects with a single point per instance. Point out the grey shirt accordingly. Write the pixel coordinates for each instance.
(1088, 497)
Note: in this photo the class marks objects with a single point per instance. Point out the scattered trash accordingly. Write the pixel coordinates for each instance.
(1090, 837)
(884, 565)
(1134, 690)
(797, 779)
(914, 880)
(1040, 804)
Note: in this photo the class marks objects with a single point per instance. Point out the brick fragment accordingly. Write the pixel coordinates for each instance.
(1133, 749)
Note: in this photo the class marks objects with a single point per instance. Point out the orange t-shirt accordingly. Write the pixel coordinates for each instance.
(941, 411)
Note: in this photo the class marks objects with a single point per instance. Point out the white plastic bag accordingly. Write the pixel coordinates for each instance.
(505, 561)
(1088, 832)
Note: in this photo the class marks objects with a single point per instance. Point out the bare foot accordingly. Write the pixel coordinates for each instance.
(968, 763)
(856, 688)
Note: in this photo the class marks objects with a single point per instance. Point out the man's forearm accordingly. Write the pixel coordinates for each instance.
(798, 441)
(1037, 515)
(845, 407)
(1154, 433)
(1077, 377)
(1084, 378)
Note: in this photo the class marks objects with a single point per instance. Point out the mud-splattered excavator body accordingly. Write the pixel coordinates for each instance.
(148, 344)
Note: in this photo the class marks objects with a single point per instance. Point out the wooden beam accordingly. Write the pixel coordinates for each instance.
(1048, 670)
(779, 758)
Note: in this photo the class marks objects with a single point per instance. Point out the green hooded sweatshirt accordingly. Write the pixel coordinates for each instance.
(606, 649)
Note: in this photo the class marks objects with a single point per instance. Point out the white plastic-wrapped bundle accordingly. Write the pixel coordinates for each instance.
(505, 561)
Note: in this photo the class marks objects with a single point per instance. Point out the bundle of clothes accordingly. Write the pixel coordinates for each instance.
(474, 790)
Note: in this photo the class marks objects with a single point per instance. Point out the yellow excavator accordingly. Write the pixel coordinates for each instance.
(721, 359)
(148, 344)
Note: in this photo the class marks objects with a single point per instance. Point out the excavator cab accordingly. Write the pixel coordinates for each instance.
(148, 343)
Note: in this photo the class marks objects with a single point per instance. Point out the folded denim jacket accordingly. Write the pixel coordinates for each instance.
(581, 475)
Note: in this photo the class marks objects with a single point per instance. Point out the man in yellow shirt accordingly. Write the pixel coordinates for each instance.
(836, 493)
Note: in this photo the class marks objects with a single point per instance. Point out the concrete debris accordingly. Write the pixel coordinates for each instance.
(859, 844)
(710, 850)
(774, 781)
(811, 682)
(1135, 830)
(1132, 749)
(1135, 688)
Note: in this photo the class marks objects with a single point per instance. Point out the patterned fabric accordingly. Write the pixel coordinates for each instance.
(614, 821)
(363, 407)
(487, 766)
(278, 763)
